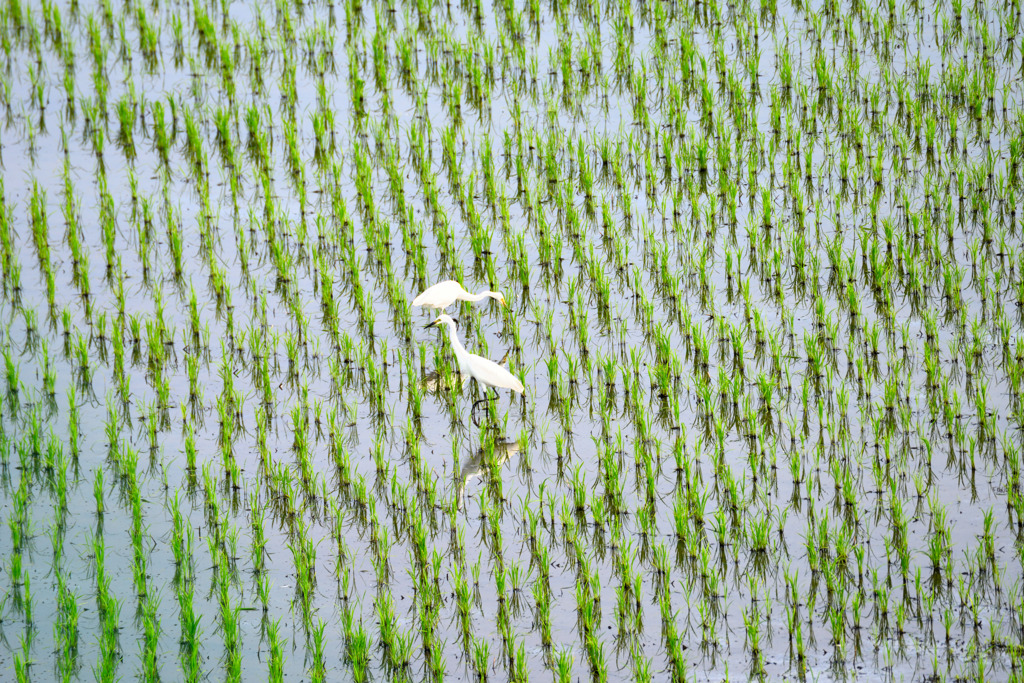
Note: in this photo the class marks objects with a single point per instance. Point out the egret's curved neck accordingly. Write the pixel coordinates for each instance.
(453, 337)
(482, 295)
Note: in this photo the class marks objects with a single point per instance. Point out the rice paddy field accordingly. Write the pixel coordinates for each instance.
(764, 276)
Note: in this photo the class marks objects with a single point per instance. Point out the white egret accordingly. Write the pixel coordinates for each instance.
(434, 381)
(444, 294)
(483, 370)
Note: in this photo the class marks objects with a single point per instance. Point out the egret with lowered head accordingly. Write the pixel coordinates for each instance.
(483, 370)
(444, 294)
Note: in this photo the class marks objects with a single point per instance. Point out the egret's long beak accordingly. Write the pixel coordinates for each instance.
(430, 324)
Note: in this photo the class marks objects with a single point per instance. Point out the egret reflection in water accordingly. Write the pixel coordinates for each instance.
(500, 451)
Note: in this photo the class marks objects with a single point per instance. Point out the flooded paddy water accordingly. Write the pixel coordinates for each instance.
(764, 278)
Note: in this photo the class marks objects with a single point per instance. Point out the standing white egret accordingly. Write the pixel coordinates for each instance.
(434, 381)
(485, 371)
(444, 294)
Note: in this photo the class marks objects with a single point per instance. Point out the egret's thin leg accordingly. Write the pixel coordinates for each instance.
(485, 399)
